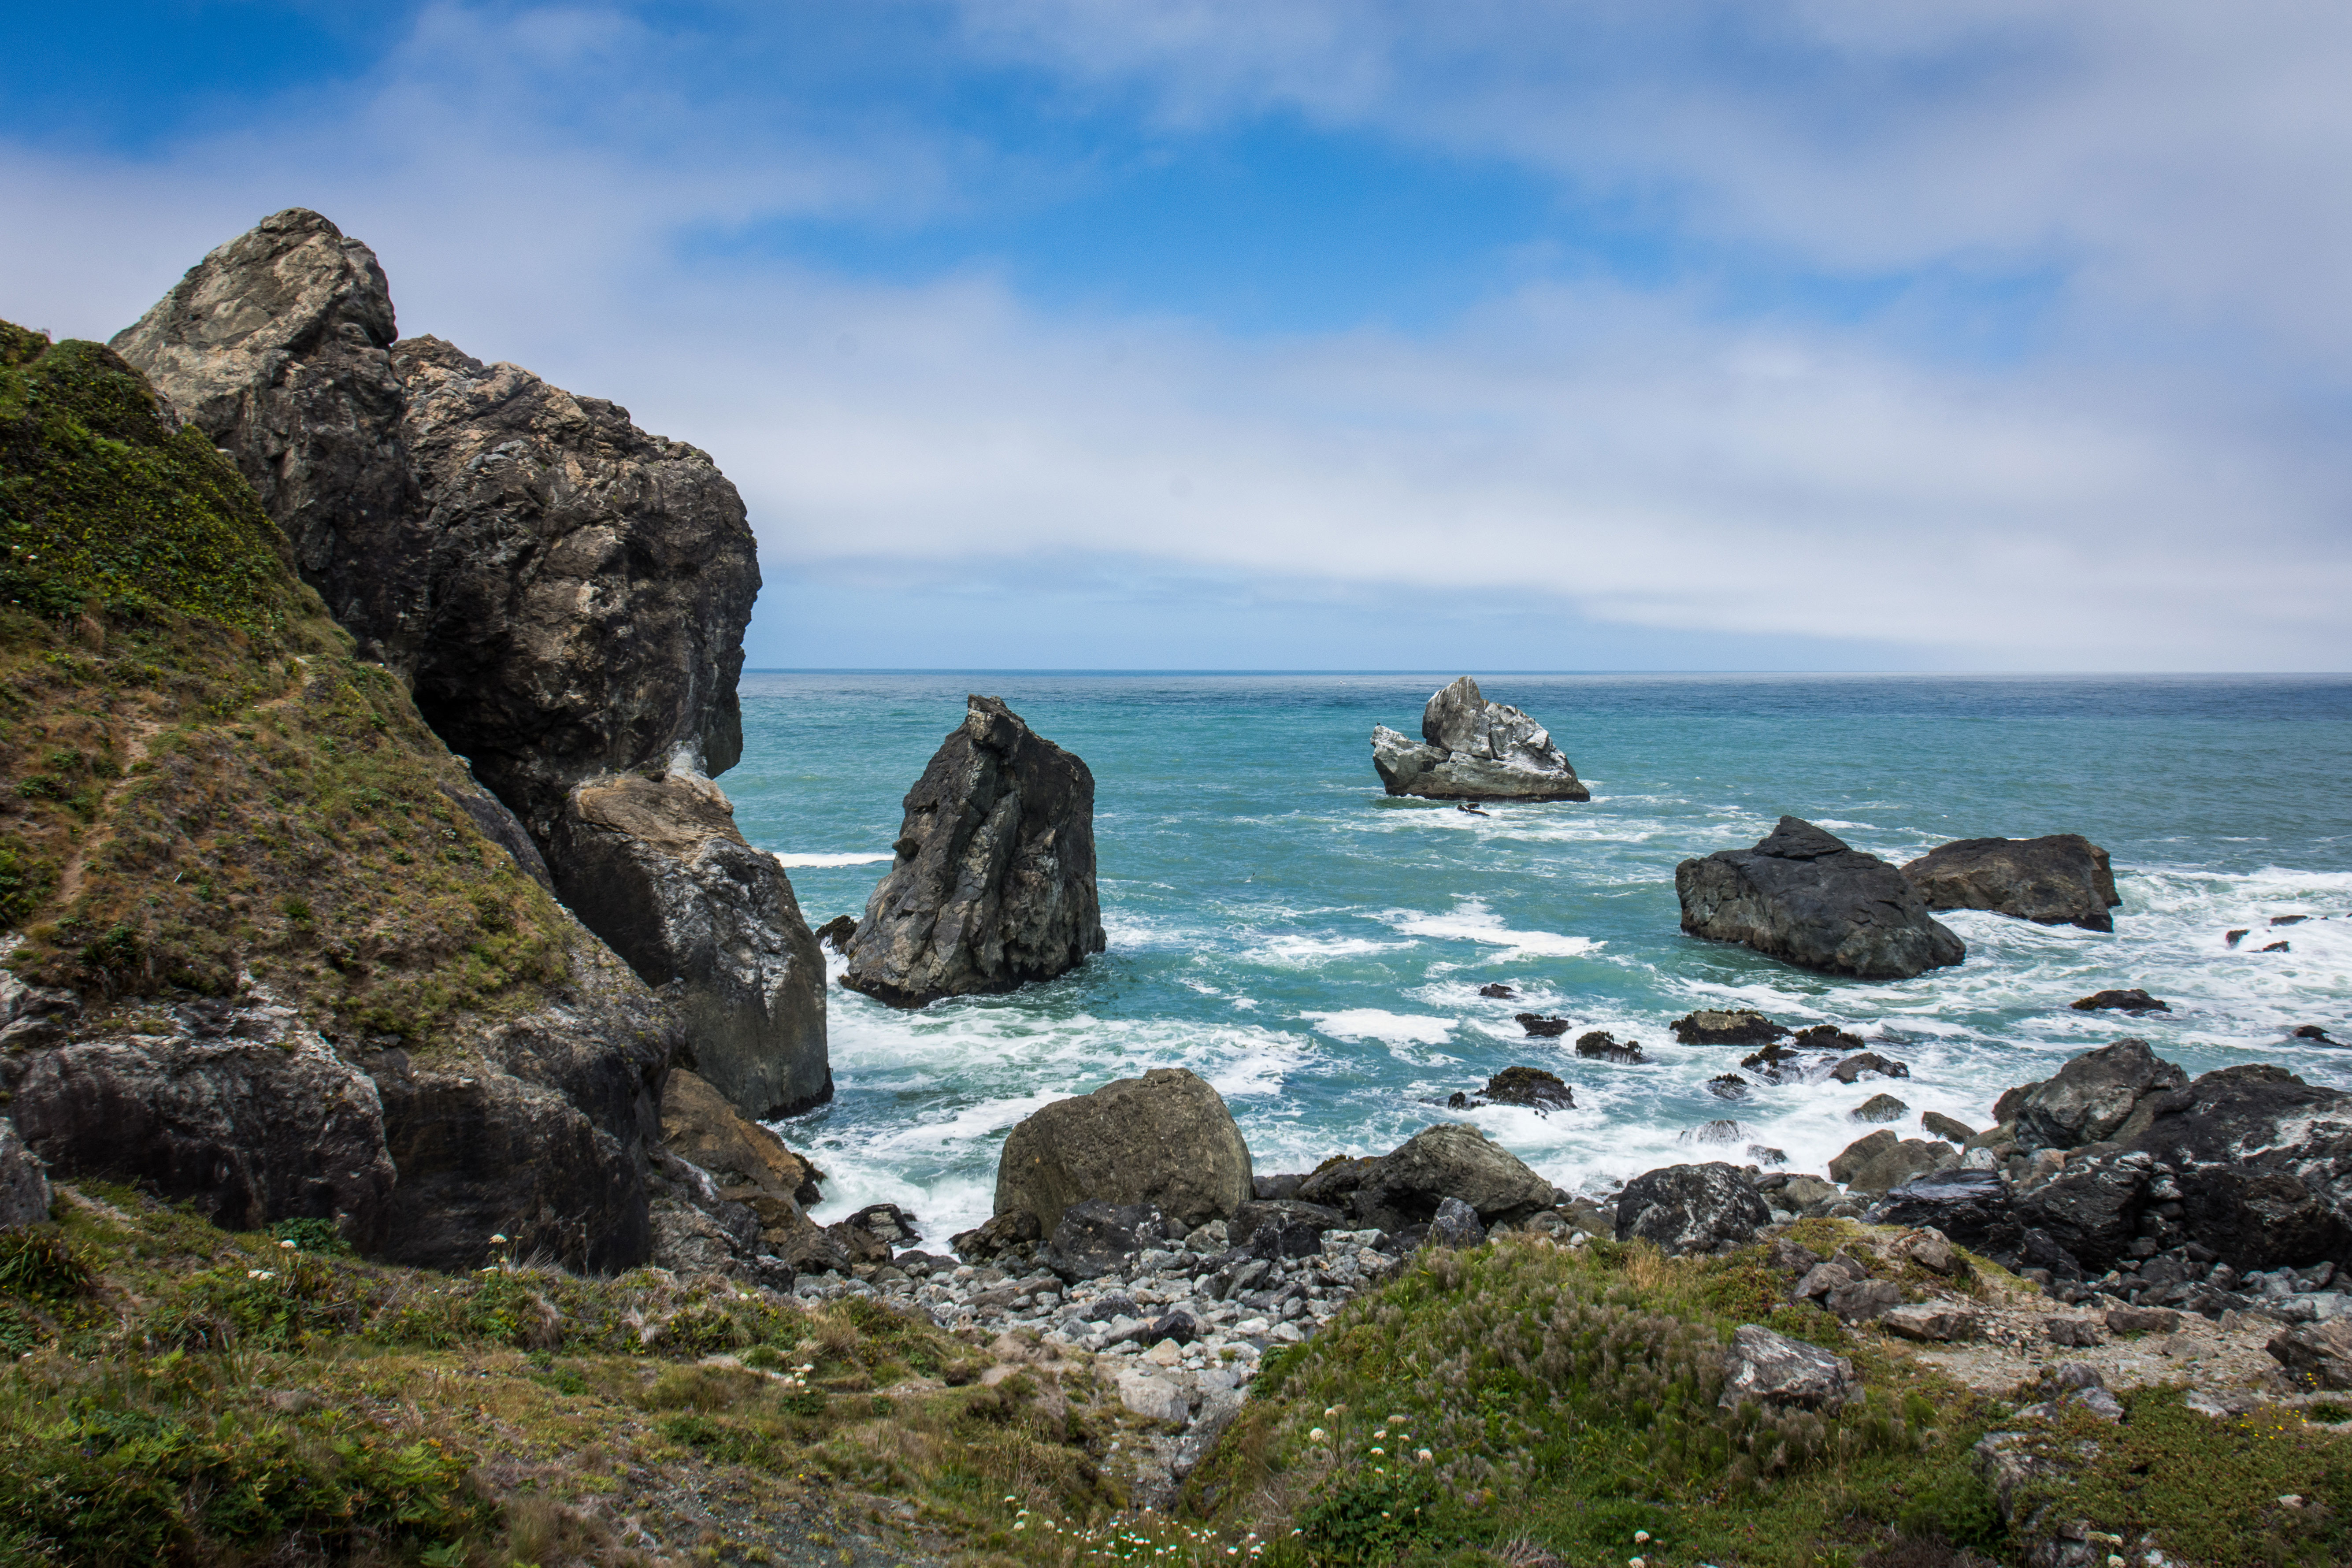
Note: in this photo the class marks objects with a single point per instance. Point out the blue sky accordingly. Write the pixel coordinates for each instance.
(1345, 334)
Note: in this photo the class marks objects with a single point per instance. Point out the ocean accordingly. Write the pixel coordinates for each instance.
(1314, 949)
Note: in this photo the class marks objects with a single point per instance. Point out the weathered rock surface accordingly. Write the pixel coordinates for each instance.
(24, 1195)
(656, 867)
(1784, 1373)
(1455, 1223)
(1529, 1087)
(2060, 879)
(1404, 1187)
(1472, 749)
(1164, 1138)
(1882, 1161)
(1868, 1064)
(1692, 1208)
(1805, 897)
(1602, 1046)
(1733, 1026)
(2093, 1097)
(1880, 1108)
(2263, 1163)
(749, 1167)
(1096, 1236)
(1969, 1207)
(2319, 1354)
(994, 881)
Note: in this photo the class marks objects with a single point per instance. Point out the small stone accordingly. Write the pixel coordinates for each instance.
(2076, 1333)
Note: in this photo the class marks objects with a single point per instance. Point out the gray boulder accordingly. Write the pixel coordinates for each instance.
(710, 924)
(1472, 749)
(1164, 1138)
(1093, 1238)
(1406, 1186)
(1880, 1108)
(2060, 879)
(994, 885)
(2093, 1096)
(2317, 1355)
(24, 1195)
(1805, 897)
(1692, 1208)
(1455, 1223)
(2263, 1162)
(1785, 1374)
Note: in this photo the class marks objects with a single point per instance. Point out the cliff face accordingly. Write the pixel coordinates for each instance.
(564, 594)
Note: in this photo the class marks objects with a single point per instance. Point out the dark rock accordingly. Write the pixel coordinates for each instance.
(1278, 1186)
(836, 933)
(1497, 990)
(24, 1195)
(1531, 1087)
(2093, 1097)
(1114, 1304)
(1944, 1127)
(922, 1265)
(2133, 1000)
(2317, 1355)
(1404, 1187)
(1541, 1027)
(1971, 1208)
(1472, 749)
(1692, 1208)
(500, 826)
(1785, 1374)
(1455, 1223)
(1259, 1212)
(1826, 1038)
(2313, 1033)
(1603, 1045)
(1759, 1155)
(1093, 1238)
(1740, 1027)
(2062, 879)
(994, 881)
(1164, 1138)
(1776, 1064)
(1727, 1086)
(750, 1167)
(2288, 920)
(995, 1237)
(1854, 1068)
(2264, 1163)
(1882, 1162)
(1282, 1237)
(2278, 947)
(1722, 1130)
(2090, 1208)
(2005, 1109)
(1179, 1325)
(1880, 1108)
(656, 867)
(2233, 938)
(1807, 897)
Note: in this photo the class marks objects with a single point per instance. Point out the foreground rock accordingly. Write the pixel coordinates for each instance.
(749, 1166)
(1692, 1208)
(994, 881)
(1165, 1139)
(1777, 1371)
(658, 866)
(24, 1193)
(1402, 1188)
(2060, 879)
(1472, 749)
(1804, 896)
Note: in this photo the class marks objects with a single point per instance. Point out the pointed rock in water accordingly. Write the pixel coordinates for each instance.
(2060, 879)
(1806, 897)
(1472, 749)
(994, 881)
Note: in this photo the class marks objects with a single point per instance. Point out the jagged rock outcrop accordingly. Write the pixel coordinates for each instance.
(1806, 897)
(564, 592)
(1165, 1139)
(24, 1195)
(1692, 1208)
(1404, 1187)
(657, 867)
(1472, 749)
(748, 1168)
(2060, 879)
(994, 881)
(2106, 1094)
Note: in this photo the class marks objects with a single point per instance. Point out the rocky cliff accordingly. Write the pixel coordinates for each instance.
(564, 595)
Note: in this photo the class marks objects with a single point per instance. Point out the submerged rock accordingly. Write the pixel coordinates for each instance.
(1472, 749)
(2060, 879)
(994, 881)
(1164, 1138)
(1806, 897)
(1603, 1045)
(2133, 1000)
(1868, 1064)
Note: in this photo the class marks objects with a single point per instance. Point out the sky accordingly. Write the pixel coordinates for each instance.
(1549, 334)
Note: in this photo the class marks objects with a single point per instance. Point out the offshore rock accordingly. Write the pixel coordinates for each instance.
(1164, 1138)
(24, 1195)
(994, 881)
(1806, 897)
(1474, 750)
(656, 867)
(1692, 1208)
(1602, 1046)
(1735, 1026)
(2060, 879)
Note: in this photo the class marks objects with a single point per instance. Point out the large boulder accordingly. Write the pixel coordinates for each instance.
(1969, 1207)
(1804, 896)
(24, 1195)
(2102, 1095)
(994, 885)
(657, 866)
(1692, 1208)
(2263, 1164)
(749, 1167)
(1164, 1138)
(1472, 749)
(1404, 1187)
(2060, 879)
(1883, 1161)
(2093, 1206)
(1785, 1374)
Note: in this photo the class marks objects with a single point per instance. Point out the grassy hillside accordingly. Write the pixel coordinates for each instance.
(196, 778)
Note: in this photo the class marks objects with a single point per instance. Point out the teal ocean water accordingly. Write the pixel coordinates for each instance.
(1314, 949)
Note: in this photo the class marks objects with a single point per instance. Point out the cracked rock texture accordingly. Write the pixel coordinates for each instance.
(994, 885)
(2060, 879)
(1804, 896)
(1165, 1139)
(1472, 749)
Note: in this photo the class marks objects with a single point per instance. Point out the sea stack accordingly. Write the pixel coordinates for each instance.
(1805, 895)
(1472, 749)
(2060, 879)
(994, 881)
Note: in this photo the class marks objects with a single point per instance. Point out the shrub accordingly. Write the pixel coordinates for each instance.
(38, 1262)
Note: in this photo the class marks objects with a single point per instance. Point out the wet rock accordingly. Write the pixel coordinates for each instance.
(1805, 897)
(1165, 1139)
(1776, 1064)
(1727, 1086)
(1603, 1045)
(1882, 1162)
(1761, 1154)
(1497, 990)
(1868, 1064)
(1826, 1038)
(993, 883)
(1785, 1374)
(1880, 1108)
(2060, 879)
(1721, 1130)
(2233, 938)
(2133, 1000)
(1692, 1208)
(2312, 1034)
(2093, 1096)
(657, 867)
(2317, 1355)
(2277, 947)
(1540, 1027)
(1945, 1127)
(997, 1236)
(1472, 749)
(1455, 1223)
(836, 933)
(1095, 1237)
(1739, 1027)
(1529, 1087)
(24, 1195)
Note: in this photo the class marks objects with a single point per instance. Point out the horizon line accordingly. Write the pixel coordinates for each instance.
(1425, 671)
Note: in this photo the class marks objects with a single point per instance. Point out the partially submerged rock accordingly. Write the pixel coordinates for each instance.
(1540, 1027)
(1529, 1087)
(2134, 1001)
(993, 883)
(1472, 749)
(1600, 1045)
(1880, 1108)
(2060, 879)
(1805, 897)
(1732, 1026)
(1692, 1208)
(1868, 1064)
(1164, 1138)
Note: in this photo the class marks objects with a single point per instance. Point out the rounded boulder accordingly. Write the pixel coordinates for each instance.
(1164, 1138)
